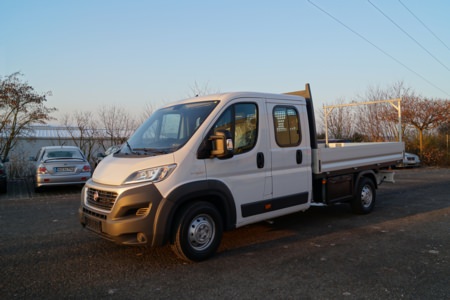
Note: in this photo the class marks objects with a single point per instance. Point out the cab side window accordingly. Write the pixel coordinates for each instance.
(241, 120)
(287, 126)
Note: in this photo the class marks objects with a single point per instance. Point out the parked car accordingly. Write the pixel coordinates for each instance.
(60, 165)
(3, 178)
(102, 155)
(410, 160)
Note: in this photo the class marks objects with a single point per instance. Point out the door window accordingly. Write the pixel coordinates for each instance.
(241, 120)
(287, 126)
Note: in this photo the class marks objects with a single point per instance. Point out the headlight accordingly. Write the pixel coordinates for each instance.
(152, 175)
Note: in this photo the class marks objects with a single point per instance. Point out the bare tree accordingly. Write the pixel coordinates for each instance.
(117, 124)
(82, 129)
(379, 122)
(149, 109)
(376, 123)
(20, 107)
(339, 122)
(200, 90)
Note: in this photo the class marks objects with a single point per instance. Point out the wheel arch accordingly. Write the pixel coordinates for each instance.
(212, 191)
(366, 174)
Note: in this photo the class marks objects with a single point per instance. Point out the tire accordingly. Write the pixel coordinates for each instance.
(198, 232)
(365, 195)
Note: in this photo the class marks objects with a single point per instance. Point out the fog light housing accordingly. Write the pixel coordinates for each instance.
(141, 238)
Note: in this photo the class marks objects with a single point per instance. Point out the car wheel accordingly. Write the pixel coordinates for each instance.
(364, 200)
(198, 232)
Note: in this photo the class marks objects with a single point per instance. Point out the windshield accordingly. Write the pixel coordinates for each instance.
(168, 129)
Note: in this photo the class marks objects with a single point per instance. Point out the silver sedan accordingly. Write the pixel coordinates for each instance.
(60, 165)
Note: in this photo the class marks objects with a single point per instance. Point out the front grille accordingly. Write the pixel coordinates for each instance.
(101, 199)
(91, 213)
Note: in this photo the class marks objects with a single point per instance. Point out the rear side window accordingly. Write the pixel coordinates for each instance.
(287, 126)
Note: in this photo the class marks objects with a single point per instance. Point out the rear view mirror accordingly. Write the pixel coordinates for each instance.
(222, 144)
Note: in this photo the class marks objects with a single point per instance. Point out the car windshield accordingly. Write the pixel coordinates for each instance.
(62, 154)
(169, 128)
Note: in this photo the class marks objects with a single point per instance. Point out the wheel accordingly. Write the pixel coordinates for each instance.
(198, 232)
(364, 200)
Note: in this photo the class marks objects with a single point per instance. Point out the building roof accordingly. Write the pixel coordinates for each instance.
(56, 132)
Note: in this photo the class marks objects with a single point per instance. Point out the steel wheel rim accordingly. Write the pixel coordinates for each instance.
(201, 232)
(366, 196)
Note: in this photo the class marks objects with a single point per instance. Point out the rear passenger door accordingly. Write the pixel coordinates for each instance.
(290, 153)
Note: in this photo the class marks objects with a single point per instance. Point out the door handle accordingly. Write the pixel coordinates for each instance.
(299, 157)
(260, 160)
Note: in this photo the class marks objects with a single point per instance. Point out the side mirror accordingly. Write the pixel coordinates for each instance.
(222, 144)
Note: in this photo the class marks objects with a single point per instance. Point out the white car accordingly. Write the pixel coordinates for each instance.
(410, 160)
(60, 165)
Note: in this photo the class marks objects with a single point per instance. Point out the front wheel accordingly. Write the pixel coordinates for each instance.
(364, 200)
(198, 232)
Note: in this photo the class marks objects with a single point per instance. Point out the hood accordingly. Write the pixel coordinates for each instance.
(114, 170)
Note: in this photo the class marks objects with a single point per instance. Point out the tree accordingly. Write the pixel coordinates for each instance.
(424, 114)
(379, 122)
(197, 90)
(146, 113)
(339, 121)
(117, 123)
(82, 128)
(20, 107)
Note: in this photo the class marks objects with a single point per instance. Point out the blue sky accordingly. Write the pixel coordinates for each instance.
(132, 53)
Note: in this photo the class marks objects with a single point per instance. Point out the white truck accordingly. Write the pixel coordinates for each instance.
(213, 163)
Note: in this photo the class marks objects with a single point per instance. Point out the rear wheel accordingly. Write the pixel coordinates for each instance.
(364, 200)
(198, 232)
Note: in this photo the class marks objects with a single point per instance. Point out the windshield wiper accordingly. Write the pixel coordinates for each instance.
(129, 147)
(153, 150)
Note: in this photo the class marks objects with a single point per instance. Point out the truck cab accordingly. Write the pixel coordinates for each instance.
(203, 165)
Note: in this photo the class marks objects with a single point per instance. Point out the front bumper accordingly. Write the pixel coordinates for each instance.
(124, 215)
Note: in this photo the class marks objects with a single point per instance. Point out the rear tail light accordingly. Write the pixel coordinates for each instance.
(86, 168)
(42, 170)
